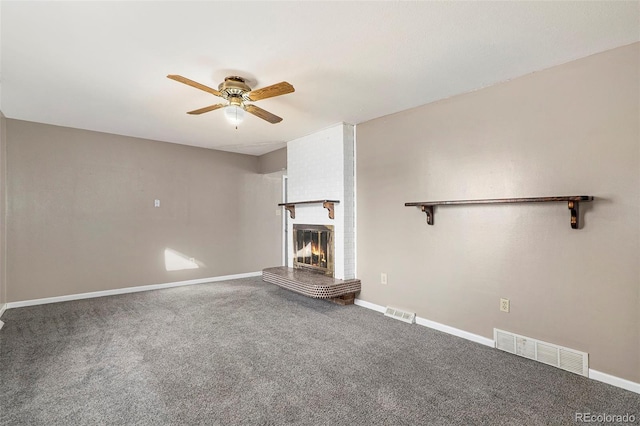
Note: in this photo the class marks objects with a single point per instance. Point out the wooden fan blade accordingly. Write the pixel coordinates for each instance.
(206, 109)
(278, 89)
(195, 84)
(261, 113)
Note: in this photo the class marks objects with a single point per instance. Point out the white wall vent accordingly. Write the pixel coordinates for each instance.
(400, 315)
(548, 353)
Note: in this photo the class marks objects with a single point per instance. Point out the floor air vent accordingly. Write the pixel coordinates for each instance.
(401, 315)
(548, 353)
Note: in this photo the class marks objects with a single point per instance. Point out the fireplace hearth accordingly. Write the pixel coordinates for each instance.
(313, 248)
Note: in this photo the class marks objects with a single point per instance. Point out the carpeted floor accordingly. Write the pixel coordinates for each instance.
(248, 352)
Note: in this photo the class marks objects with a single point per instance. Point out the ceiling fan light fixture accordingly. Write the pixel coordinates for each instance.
(234, 114)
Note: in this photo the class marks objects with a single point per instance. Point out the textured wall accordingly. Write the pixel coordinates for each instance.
(569, 130)
(274, 161)
(81, 213)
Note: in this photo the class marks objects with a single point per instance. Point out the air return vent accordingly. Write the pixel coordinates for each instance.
(400, 315)
(548, 353)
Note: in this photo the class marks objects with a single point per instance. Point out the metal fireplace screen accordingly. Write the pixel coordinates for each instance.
(313, 248)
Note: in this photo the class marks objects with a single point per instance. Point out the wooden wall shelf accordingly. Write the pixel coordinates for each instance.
(573, 202)
(327, 204)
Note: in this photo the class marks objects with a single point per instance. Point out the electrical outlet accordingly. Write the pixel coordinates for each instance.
(504, 305)
(383, 278)
(156, 203)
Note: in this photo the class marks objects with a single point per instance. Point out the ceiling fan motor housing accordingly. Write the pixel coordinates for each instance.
(234, 87)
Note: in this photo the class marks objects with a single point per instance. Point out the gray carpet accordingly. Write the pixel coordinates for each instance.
(248, 352)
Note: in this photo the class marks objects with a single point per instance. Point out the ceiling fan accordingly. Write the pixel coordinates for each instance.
(237, 93)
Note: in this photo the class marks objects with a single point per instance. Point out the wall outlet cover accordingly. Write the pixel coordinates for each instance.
(504, 305)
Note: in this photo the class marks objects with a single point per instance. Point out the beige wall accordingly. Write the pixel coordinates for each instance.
(3, 181)
(81, 213)
(569, 130)
(274, 161)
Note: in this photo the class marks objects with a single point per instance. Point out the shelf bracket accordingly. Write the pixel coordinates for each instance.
(574, 207)
(428, 210)
(291, 208)
(329, 206)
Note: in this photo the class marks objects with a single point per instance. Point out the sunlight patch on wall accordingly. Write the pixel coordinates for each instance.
(176, 261)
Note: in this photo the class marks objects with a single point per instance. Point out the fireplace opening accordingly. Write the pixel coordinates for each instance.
(313, 248)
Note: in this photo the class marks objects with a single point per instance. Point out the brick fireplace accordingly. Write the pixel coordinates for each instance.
(320, 166)
(321, 208)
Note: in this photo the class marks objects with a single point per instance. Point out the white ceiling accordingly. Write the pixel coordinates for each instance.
(103, 65)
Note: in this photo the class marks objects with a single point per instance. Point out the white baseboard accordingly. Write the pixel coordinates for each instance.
(127, 290)
(593, 374)
(456, 332)
(614, 381)
(3, 308)
(435, 325)
(369, 305)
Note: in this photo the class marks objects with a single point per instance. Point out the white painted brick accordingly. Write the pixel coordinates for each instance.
(321, 166)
